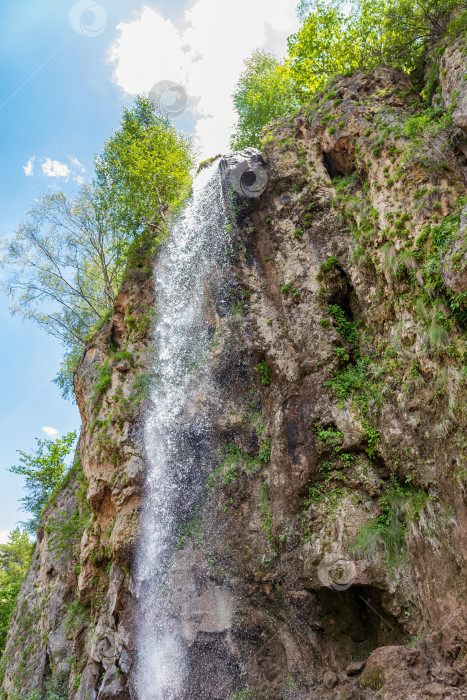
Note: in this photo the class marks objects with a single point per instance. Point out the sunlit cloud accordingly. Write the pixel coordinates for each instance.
(52, 433)
(29, 167)
(4, 536)
(205, 56)
(76, 164)
(53, 168)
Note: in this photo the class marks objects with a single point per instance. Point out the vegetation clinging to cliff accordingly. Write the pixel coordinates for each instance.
(43, 472)
(67, 260)
(15, 556)
(337, 38)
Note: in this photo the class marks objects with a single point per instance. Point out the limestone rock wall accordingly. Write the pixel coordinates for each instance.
(326, 558)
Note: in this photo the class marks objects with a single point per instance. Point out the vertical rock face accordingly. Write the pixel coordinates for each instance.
(73, 626)
(454, 83)
(326, 557)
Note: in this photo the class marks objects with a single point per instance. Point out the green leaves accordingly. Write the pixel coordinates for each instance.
(338, 37)
(144, 172)
(265, 373)
(43, 472)
(348, 330)
(15, 556)
(263, 93)
(67, 260)
(64, 271)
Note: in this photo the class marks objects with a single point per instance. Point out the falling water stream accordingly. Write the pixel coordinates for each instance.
(193, 256)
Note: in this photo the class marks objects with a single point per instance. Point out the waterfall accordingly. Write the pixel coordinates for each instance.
(194, 254)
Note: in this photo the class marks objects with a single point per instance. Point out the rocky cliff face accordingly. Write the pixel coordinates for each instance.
(73, 622)
(327, 557)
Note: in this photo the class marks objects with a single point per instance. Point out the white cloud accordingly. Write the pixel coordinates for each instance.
(205, 56)
(4, 536)
(75, 162)
(53, 168)
(50, 432)
(29, 167)
(149, 49)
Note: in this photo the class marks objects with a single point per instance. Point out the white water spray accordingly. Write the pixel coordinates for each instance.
(194, 255)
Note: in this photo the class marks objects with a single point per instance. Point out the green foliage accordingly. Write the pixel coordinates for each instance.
(63, 270)
(348, 330)
(66, 372)
(104, 379)
(264, 453)
(436, 305)
(65, 531)
(15, 556)
(337, 37)
(401, 505)
(265, 373)
(193, 528)
(56, 688)
(430, 134)
(331, 263)
(330, 436)
(264, 92)
(143, 173)
(77, 614)
(67, 260)
(234, 460)
(244, 695)
(43, 472)
(373, 437)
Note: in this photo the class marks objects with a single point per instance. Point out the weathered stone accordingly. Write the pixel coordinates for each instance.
(454, 264)
(452, 72)
(330, 680)
(266, 588)
(355, 668)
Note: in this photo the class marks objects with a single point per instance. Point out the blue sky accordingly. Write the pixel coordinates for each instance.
(64, 79)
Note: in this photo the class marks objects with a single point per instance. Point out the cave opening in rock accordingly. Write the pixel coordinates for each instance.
(342, 292)
(340, 159)
(355, 622)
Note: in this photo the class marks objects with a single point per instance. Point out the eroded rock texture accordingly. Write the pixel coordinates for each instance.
(326, 558)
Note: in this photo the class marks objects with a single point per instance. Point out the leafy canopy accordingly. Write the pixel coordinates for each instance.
(264, 92)
(337, 37)
(66, 262)
(144, 171)
(15, 556)
(44, 472)
(64, 270)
